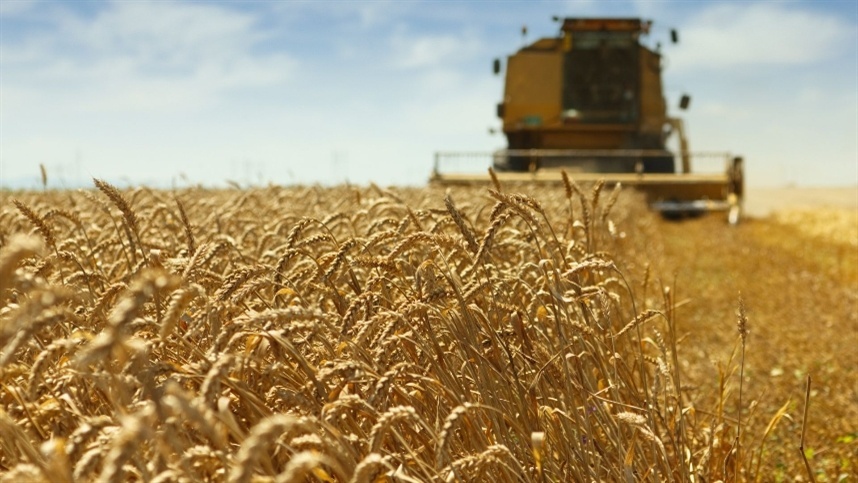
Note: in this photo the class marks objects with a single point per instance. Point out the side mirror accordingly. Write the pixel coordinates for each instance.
(496, 66)
(674, 36)
(684, 101)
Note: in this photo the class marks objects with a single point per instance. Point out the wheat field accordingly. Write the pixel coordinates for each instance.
(359, 334)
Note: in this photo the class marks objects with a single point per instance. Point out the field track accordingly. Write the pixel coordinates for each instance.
(797, 270)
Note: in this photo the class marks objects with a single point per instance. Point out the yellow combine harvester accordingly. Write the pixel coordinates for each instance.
(590, 102)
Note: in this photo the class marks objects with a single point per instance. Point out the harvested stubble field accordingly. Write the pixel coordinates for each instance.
(362, 334)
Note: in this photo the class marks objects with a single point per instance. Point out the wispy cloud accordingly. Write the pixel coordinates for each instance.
(729, 35)
(362, 15)
(412, 50)
(15, 7)
(144, 55)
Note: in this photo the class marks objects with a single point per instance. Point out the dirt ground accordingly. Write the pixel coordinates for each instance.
(794, 260)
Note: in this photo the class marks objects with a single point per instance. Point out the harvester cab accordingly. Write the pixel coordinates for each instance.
(590, 101)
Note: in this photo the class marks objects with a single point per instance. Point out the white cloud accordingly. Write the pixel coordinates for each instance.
(366, 15)
(731, 35)
(145, 56)
(15, 7)
(165, 33)
(376, 13)
(412, 51)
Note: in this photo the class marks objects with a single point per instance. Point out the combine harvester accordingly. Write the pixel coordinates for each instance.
(590, 102)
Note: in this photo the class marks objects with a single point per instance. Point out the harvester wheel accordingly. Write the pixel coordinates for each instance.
(735, 212)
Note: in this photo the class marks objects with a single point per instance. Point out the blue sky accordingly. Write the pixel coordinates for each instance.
(164, 93)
